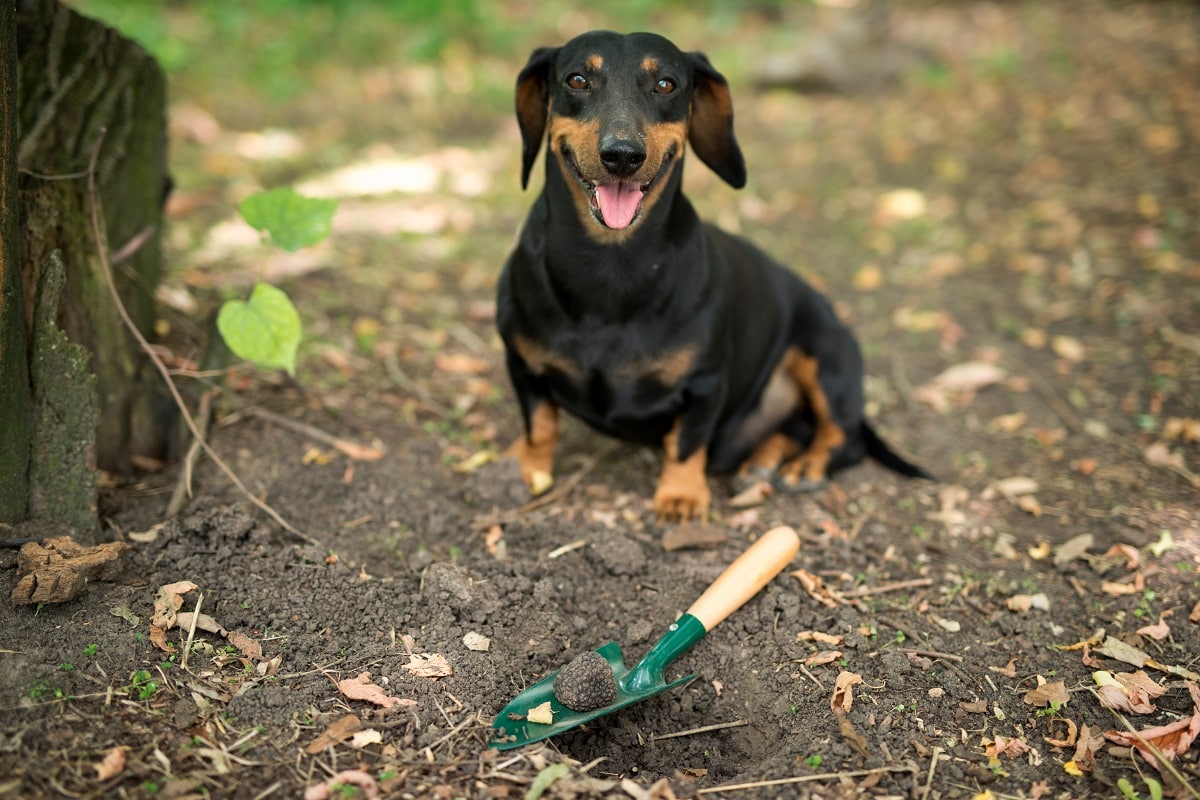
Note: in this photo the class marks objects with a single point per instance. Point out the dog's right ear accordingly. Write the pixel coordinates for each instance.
(533, 105)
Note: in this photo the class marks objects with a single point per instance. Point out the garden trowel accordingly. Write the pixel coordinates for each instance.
(540, 712)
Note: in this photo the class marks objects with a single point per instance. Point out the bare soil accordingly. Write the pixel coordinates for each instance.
(1053, 151)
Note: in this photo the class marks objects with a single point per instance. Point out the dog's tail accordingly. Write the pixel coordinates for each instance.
(878, 449)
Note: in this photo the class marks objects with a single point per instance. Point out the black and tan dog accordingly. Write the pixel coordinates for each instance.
(621, 307)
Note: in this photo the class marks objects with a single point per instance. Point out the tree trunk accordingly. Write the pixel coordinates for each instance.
(16, 424)
(94, 399)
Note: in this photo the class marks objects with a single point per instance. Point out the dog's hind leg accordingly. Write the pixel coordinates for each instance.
(799, 451)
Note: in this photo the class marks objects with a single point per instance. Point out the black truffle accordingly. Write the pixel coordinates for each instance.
(587, 683)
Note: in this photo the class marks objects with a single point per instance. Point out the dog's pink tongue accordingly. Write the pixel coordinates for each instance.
(618, 202)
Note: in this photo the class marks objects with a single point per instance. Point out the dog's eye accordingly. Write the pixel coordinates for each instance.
(577, 82)
(664, 86)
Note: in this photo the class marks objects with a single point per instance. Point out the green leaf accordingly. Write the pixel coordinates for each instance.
(264, 330)
(292, 220)
(544, 778)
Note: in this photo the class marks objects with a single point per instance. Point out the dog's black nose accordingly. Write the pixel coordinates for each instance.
(622, 157)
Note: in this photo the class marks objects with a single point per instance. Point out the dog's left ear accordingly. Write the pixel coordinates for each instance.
(533, 105)
(711, 130)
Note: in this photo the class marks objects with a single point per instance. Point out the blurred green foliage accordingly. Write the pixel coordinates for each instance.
(275, 42)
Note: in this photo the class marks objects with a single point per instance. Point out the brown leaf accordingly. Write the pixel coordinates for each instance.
(112, 765)
(1173, 739)
(1194, 614)
(339, 731)
(843, 693)
(1127, 692)
(461, 364)
(1047, 694)
(1160, 455)
(815, 588)
(1011, 747)
(823, 657)
(850, 734)
(1071, 737)
(957, 385)
(1158, 631)
(428, 665)
(248, 647)
(752, 495)
(1132, 556)
(698, 536)
(1086, 746)
(335, 786)
(361, 688)
(833, 639)
(1009, 670)
(167, 601)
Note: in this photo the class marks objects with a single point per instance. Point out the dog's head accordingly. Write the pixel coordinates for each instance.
(616, 110)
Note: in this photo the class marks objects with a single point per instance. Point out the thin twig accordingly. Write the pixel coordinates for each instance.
(888, 587)
(106, 268)
(183, 486)
(719, 726)
(937, 751)
(187, 647)
(824, 776)
(932, 654)
(353, 450)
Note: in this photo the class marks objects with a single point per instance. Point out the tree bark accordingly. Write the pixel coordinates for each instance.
(95, 401)
(16, 421)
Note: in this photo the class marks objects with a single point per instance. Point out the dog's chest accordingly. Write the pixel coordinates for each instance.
(612, 377)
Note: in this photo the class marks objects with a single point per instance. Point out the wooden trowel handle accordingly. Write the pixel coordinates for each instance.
(742, 579)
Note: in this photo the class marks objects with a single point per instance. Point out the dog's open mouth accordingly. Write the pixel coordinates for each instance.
(616, 204)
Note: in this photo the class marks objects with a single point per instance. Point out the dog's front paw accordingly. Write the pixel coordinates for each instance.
(680, 498)
(536, 463)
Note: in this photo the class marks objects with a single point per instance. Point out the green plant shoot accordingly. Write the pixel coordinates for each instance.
(291, 220)
(264, 330)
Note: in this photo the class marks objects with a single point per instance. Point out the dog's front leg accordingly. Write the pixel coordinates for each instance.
(534, 450)
(683, 491)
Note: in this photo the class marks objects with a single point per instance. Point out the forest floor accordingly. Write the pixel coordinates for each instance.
(1004, 203)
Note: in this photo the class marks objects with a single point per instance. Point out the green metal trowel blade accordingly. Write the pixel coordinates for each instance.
(513, 729)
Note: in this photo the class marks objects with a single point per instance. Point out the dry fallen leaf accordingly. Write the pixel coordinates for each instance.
(477, 642)
(428, 665)
(820, 637)
(361, 739)
(1072, 548)
(1047, 694)
(957, 385)
(112, 765)
(1126, 692)
(823, 657)
(461, 364)
(843, 693)
(361, 688)
(1173, 739)
(1022, 603)
(815, 588)
(337, 785)
(1005, 746)
(339, 731)
(1088, 743)
(753, 495)
(1072, 733)
(693, 536)
(541, 715)
(1158, 631)
(1009, 670)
